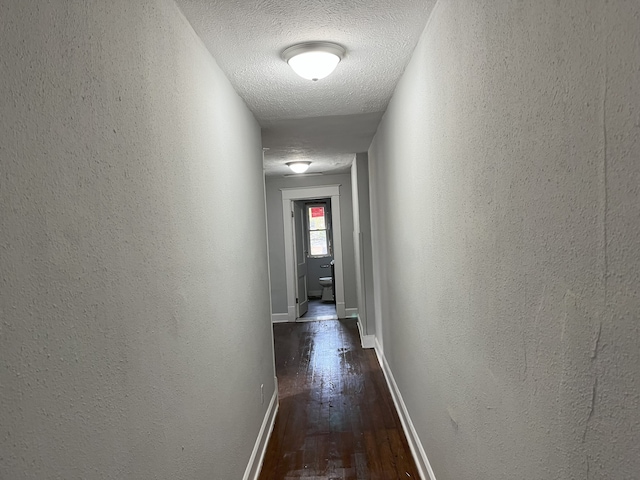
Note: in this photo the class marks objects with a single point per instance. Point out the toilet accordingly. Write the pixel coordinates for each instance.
(327, 288)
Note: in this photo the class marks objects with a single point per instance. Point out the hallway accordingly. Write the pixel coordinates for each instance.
(336, 417)
(486, 159)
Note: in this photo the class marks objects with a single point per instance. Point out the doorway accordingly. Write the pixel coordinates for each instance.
(313, 240)
(293, 258)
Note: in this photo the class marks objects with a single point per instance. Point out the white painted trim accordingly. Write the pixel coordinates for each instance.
(315, 293)
(367, 341)
(303, 193)
(279, 317)
(351, 313)
(419, 455)
(292, 312)
(313, 191)
(257, 455)
(289, 260)
(338, 272)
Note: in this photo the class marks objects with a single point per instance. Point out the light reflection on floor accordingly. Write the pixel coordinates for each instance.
(319, 310)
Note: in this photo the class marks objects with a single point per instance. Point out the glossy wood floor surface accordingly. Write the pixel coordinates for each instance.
(319, 310)
(336, 418)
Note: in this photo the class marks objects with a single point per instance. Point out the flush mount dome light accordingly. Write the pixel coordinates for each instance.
(313, 60)
(299, 167)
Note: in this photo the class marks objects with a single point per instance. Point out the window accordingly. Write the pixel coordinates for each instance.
(318, 235)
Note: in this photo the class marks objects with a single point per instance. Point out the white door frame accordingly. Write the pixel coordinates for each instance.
(298, 227)
(289, 195)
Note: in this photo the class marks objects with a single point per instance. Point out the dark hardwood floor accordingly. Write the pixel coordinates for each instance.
(336, 418)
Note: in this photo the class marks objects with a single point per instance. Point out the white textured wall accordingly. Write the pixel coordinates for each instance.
(276, 235)
(506, 184)
(134, 306)
(362, 241)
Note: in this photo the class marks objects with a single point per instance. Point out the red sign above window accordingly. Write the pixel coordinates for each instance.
(317, 212)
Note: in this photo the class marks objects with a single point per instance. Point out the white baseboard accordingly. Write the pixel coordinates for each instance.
(351, 312)
(419, 455)
(367, 341)
(257, 455)
(279, 317)
(314, 293)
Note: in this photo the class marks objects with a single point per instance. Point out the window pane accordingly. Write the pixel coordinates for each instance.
(316, 218)
(318, 241)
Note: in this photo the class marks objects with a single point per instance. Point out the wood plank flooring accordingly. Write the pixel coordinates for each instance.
(336, 418)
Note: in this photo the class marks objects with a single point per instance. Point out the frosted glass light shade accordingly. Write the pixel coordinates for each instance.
(313, 61)
(314, 65)
(298, 167)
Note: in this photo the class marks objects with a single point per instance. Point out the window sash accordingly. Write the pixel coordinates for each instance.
(317, 231)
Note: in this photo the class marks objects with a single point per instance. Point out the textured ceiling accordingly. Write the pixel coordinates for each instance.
(325, 121)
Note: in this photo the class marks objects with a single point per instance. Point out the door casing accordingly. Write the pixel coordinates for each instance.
(290, 195)
(300, 248)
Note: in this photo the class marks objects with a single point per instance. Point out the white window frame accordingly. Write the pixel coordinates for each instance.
(327, 228)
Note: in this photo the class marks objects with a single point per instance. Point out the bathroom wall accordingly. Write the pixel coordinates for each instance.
(314, 265)
(505, 187)
(276, 234)
(315, 271)
(128, 349)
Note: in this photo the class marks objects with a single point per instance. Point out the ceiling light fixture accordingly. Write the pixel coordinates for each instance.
(298, 167)
(314, 60)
